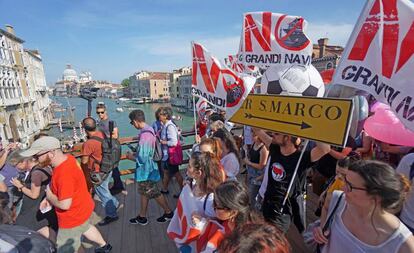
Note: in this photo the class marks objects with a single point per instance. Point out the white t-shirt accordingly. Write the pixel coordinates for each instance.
(407, 213)
(208, 211)
(231, 165)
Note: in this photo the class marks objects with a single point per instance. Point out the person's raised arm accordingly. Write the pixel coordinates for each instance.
(266, 139)
(319, 150)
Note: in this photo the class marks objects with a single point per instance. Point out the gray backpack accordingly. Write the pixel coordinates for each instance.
(157, 156)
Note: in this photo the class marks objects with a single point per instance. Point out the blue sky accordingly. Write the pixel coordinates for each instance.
(114, 39)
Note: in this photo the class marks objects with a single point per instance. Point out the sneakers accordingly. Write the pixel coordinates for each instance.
(139, 220)
(104, 249)
(107, 220)
(165, 217)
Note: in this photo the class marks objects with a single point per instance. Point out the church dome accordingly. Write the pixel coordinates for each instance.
(69, 74)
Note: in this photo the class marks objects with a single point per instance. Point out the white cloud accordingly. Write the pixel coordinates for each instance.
(179, 45)
(337, 34)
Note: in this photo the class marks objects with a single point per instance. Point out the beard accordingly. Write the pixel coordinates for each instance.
(47, 162)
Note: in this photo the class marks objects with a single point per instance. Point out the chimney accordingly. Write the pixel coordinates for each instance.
(10, 29)
(322, 46)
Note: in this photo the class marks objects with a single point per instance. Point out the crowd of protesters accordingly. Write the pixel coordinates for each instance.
(241, 183)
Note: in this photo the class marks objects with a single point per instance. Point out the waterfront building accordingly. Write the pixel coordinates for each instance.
(24, 100)
(150, 85)
(185, 94)
(176, 99)
(69, 85)
(326, 56)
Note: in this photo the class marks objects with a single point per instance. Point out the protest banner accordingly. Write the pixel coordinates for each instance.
(274, 39)
(190, 237)
(231, 61)
(378, 57)
(218, 84)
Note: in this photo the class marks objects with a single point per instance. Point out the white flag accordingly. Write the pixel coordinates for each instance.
(378, 56)
(217, 83)
(274, 39)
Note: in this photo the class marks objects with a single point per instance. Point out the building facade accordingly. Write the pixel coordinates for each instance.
(24, 100)
(175, 97)
(326, 56)
(154, 86)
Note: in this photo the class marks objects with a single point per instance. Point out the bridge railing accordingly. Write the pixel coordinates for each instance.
(76, 150)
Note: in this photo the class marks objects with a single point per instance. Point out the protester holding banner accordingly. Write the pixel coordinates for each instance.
(284, 156)
(363, 219)
(231, 203)
(230, 157)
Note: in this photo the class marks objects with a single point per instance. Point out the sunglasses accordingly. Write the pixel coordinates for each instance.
(350, 187)
(100, 112)
(131, 122)
(36, 156)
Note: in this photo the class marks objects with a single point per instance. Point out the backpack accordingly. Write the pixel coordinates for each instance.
(18, 239)
(157, 156)
(111, 153)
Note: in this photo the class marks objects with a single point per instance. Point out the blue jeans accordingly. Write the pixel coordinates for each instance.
(109, 202)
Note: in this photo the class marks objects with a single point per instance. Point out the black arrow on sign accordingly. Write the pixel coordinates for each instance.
(302, 125)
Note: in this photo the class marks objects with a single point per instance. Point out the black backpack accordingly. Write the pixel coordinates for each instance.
(157, 156)
(18, 239)
(111, 153)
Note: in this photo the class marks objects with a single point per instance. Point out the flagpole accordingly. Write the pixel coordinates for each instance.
(294, 176)
(194, 108)
(195, 116)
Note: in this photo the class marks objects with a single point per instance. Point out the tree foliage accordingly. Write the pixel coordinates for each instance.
(125, 82)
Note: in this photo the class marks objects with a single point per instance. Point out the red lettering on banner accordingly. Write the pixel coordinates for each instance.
(262, 37)
(407, 47)
(389, 40)
(210, 78)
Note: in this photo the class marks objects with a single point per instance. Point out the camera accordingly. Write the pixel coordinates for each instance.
(88, 93)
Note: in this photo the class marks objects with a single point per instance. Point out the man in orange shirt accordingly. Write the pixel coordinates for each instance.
(91, 157)
(68, 194)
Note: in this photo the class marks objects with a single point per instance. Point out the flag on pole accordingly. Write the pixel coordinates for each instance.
(378, 57)
(218, 84)
(274, 39)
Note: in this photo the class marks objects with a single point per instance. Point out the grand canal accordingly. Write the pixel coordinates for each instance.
(121, 118)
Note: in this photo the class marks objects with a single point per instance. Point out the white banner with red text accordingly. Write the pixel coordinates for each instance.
(378, 57)
(274, 39)
(187, 236)
(218, 84)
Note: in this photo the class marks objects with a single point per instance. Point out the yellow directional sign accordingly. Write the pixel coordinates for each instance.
(321, 119)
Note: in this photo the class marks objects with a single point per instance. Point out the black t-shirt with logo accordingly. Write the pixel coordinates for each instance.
(280, 172)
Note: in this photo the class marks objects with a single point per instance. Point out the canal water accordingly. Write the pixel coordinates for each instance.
(121, 118)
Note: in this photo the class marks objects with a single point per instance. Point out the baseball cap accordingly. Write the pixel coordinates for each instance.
(41, 145)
